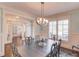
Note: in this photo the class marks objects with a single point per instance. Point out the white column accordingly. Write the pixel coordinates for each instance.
(3, 35)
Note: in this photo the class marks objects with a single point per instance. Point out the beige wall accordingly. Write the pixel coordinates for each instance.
(36, 29)
(73, 28)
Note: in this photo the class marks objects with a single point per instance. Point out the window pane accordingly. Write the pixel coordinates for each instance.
(52, 28)
(63, 29)
(65, 21)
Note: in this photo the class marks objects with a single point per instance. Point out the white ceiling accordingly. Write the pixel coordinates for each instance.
(49, 9)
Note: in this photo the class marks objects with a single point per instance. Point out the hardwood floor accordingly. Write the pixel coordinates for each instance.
(64, 51)
(70, 52)
(8, 50)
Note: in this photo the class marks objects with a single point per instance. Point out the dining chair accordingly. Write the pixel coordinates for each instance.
(53, 51)
(59, 47)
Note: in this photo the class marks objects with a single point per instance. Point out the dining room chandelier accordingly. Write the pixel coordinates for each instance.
(41, 20)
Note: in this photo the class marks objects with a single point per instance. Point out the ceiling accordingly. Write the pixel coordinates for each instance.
(49, 9)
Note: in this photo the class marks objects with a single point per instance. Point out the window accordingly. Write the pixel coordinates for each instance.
(62, 29)
(52, 28)
(28, 29)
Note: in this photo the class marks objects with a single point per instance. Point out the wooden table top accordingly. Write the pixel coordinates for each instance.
(33, 50)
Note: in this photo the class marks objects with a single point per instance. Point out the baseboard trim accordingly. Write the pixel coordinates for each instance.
(71, 50)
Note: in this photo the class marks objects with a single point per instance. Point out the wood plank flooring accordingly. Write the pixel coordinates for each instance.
(64, 52)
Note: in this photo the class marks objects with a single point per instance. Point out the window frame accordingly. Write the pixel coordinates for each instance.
(63, 32)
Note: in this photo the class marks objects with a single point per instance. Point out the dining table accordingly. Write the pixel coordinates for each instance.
(35, 50)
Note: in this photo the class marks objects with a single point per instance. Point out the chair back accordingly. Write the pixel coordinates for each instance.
(59, 47)
(54, 50)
